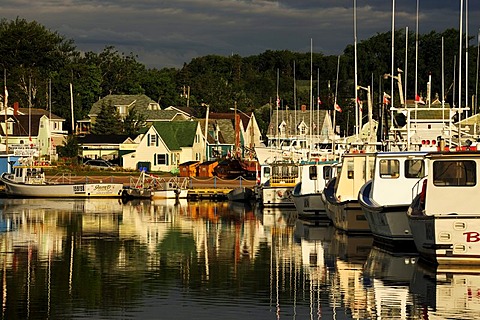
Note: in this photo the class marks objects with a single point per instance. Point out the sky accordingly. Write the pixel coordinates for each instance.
(169, 33)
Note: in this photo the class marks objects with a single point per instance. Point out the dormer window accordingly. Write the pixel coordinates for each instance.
(282, 127)
(122, 110)
(153, 106)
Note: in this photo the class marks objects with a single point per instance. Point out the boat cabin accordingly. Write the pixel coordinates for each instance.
(395, 174)
(28, 174)
(452, 185)
(356, 169)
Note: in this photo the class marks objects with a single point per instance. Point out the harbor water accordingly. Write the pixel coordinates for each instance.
(162, 259)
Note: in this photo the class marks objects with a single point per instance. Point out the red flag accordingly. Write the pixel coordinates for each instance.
(278, 102)
(419, 100)
(337, 107)
(319, 101)
(385, 98)
(360, 104)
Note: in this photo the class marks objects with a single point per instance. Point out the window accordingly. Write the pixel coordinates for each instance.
(455, 173)
(162, 159)
(312, 172)
(414, 168)
(266, 172)
(327, 173)
(389, 168)
(153, 139)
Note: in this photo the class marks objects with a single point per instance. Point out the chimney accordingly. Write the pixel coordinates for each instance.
(15, 108)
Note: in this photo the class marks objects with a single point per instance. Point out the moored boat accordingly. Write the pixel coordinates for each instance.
(240, 194)
(307, 194)
(277, 191)
(444, 216)
(385, 199)
(341, 193)
(28, 180)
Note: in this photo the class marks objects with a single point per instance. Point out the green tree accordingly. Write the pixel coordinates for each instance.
(108, 121)
(133, 122)
(69, 149)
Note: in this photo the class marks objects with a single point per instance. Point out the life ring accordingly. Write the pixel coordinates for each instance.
(279, 193)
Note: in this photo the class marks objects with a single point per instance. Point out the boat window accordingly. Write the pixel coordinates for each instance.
(312, 172)
(350, 169)
(454, 173)
(327, 172)
(389, 168)
(414, 168)
(266, 172)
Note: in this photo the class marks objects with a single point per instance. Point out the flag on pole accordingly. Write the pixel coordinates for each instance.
(386, 96)
(419, 100)
(360, 104)
(319, 101)
(337, 107)
(6, 96)
(278, 102)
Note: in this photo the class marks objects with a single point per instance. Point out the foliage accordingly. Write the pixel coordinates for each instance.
(33, 55)
(133, 122)
(108, 121)
(69, 149)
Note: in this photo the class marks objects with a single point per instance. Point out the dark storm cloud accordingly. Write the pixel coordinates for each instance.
(169, 33)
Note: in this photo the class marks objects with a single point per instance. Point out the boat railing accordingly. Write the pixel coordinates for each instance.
(417, 187)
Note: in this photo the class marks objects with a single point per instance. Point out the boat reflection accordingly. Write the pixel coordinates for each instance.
(388, 277)
(448, 292)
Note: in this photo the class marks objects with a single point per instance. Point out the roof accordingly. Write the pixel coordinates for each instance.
(177, 134)
(41, 112)
(225, 128)
(244, 117)
(140, 101)
(293, 119)
(25, 124)
(103, 139)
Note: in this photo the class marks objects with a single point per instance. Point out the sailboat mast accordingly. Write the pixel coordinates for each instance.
(466, 57)
(393, 56)
(416, 53)
(311, 94)
(406, 65)
(5, 97)
(357, 120)
(295, 98)
(478, 62)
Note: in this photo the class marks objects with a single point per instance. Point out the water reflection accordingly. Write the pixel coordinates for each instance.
(101, 258)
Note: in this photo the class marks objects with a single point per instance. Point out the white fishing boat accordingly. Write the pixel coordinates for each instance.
(444, 216)
(385, 199)
(28, 180)
(277, 191)
(307, 194)
(341, 193)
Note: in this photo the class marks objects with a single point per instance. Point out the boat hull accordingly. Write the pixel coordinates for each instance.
(447, 240)
(277, 196)
(310, 205)
(78, 190)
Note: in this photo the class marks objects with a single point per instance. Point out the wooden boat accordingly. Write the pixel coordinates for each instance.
(341, 193)
(240, 194)
(444, 216)
(385, 199)
(28, 180)
(235, 168)
(307, 194)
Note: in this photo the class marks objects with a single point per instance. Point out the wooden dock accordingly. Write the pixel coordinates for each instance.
(208, 193)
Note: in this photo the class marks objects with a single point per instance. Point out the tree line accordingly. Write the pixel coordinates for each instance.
(40, 64)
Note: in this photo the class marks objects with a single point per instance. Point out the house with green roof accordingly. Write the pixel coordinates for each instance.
(165, 145)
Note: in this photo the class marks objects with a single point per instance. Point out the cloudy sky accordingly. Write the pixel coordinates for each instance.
(168, 33)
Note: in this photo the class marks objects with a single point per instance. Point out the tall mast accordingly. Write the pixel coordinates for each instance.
(466, 57)
(357, 120)
(416, 53)
(406, 65)
(311, 93)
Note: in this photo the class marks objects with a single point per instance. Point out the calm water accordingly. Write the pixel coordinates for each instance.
(101, 259)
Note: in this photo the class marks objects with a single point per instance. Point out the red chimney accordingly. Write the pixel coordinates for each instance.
(15, 108)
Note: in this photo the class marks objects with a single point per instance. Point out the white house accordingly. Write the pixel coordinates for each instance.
(167, 144)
